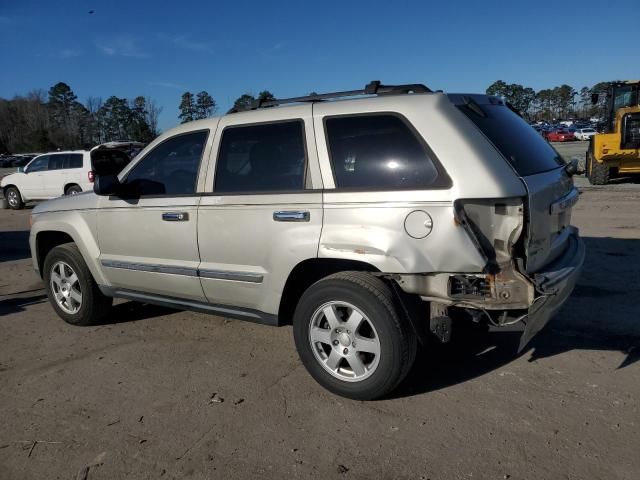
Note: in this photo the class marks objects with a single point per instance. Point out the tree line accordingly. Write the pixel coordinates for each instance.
(202, 105)
(43, 121)
(40, 122)
(551, 104)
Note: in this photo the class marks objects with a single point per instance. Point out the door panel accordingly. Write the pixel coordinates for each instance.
(53, 179)
(32, 184)
(246, 254)
(139, 250)
(149, 244)
(251, 240)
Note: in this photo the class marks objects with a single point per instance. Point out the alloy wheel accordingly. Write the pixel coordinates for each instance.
(66, 287)
(344, 341)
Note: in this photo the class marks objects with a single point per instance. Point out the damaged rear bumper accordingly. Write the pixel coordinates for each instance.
(554, 285)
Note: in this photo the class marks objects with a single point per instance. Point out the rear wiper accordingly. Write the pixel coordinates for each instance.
(472, 105)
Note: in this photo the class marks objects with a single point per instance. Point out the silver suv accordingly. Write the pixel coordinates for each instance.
(370, 220)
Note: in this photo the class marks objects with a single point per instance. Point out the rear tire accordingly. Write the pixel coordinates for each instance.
(351, 336)
(597, 173)
(72, 190)
(71, 289)
(14, 199)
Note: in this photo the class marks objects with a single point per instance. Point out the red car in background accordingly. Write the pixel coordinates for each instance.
(560, 136)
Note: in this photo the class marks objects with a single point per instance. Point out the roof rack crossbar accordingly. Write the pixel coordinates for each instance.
(372, 88)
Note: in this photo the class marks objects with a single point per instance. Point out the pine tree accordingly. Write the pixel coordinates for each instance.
(205, 105)
(187, 108)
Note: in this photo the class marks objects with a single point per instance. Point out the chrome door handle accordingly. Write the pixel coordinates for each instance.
(175, 217)
(291, 216)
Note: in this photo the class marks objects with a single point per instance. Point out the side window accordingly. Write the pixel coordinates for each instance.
(56, 162)
(379, 151)
(72, 160)
(261, 158)
(40, 164)
(171, 168)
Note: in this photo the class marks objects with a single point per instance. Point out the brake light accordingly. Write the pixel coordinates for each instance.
(92, 176)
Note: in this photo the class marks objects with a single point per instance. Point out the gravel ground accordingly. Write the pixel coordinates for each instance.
(158, 393)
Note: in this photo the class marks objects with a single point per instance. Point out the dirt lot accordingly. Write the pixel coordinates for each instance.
(133, 398)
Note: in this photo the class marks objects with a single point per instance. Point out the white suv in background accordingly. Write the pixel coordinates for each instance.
(48, 176)
(64, 173)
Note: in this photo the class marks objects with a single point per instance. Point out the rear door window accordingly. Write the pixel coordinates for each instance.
(520, 144)
(56, 162)
(380, 151)
(261, 158)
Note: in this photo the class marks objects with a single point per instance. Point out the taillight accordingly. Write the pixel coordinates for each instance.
(92, 175)
(495, 225)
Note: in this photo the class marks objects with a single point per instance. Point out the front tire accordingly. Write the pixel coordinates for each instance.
(71, 289)
(598, 173)
(351, 336)
(14, 199)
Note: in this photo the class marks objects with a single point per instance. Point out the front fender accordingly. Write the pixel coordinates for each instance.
(80, 225)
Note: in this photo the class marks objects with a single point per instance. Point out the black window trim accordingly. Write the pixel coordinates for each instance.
(268, 192)
(442, 182)
(164, 195)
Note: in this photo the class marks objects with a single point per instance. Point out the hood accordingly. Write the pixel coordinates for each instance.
(11, 178)
(81, 201)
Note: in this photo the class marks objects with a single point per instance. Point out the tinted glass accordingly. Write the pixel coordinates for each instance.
(171, 168)
(73, 160)
(56, 162)
(527, 151)
(261, 158)
(40, 164)
(378, 151)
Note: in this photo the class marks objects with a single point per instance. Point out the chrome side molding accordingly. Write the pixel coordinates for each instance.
(232, 275)
(236, 276)
(148, 267)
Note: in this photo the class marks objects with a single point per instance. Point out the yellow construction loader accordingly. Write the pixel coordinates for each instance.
(616, 152)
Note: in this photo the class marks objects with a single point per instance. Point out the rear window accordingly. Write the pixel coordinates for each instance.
(380, 151)
(520, 144)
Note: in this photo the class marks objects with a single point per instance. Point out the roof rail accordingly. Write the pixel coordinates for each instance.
(372, 88)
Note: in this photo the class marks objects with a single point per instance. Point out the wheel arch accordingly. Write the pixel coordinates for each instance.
(46, 241)
(56, 228)
(7, 187)
(306, 273)
(69, 185)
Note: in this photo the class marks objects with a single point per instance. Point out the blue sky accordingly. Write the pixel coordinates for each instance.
(161, 49)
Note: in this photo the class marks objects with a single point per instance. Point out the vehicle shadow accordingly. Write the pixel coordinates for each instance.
(603, 313)
(19, 301)
(133, 311)
(620, 179)
(15, 245)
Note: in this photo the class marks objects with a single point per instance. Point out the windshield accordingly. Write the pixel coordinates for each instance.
(625, 97)
(520, 144)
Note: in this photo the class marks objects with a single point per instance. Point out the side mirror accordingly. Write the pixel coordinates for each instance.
(106, 185)
(21, 170)
(594, 98)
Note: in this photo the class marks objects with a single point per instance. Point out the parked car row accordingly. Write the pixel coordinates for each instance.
(60, 173)
(563, 133)
(8, 161)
